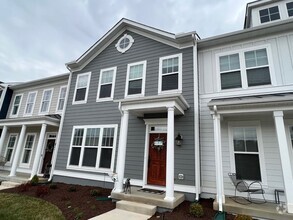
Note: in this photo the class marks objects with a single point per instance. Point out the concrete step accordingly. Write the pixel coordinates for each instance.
(5, 187)
(9, 184)
(136, 207)
(119, 214)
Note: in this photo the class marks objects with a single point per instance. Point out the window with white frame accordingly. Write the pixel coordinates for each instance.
(46, 101)
(16, 105)
(93, 147)
(28, 147)
(61, 99)
(81, 88)
(290, 9)
(170, 73)
(124, 43)
(135, 84)
(29, 107)
(253, 71)
(246, 153)
(269, 14)
(106, 84)
(10, 147)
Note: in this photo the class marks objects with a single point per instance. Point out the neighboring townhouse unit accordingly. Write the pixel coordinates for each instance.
(131, 94)
(31, 126)
(246, 83)
(5, 97)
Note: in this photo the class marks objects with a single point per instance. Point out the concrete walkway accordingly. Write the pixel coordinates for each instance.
(118, 214)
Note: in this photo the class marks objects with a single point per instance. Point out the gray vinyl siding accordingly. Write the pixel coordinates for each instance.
(100, 113)
(39, 88)
(281, 66)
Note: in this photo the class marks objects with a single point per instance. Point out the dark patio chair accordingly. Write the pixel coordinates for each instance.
(253, 188)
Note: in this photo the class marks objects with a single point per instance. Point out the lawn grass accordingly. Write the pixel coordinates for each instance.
(20, 207)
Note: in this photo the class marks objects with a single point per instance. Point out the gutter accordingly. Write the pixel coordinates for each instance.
(54, 157)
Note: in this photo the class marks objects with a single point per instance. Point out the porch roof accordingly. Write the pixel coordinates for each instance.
(154, 104)
(254, 103)
(53, 120)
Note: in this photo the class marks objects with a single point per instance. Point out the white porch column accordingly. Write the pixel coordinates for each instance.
(39, 150)
(285, 159)
(218, 160)
(122, 151)
(170, 156)
(18, 151)
(3, 135)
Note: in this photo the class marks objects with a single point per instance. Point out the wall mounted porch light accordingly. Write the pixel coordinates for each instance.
(179, 139)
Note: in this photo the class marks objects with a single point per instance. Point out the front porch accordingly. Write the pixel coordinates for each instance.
(263, 211)
(149, 198)
(18, 178)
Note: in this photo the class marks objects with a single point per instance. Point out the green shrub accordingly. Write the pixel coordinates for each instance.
(53, 186)
(72, 189)
(35, 180)
(196, 210)
(95, 192)
(242, 217)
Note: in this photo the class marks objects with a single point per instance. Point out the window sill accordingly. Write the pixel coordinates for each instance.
(88, 169)
(104, 100)
(79, 102)
(174, 91)
(134, 96)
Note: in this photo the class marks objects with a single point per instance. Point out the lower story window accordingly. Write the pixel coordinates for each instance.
(10, 147)
(29, 143)
(246, 153)
(93, 147)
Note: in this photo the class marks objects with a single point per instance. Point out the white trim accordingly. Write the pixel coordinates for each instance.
(14, 148)
(196, 123)
(58, 100)
(243, 68)
(144, 63)
(247, 124)
(149, 123)
(33, 103)
(179, 90)
(114, 69)
(87, 88)
(99, 147)
(49, 105)
(3, 94)
(44, 146)
(125, 36)
(27, 165)
(34, 121)
(57, 144)
(15, 115)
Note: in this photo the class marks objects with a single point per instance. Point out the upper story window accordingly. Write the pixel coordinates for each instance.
(269, 14)
(93, 147)
(29, 107)
(61, 99)
(106, 84)
(170, 73)
(135, 84)
(46, 101)
(290, 9)
(81, 88)
(16, 105)
(245, 69)
(124, 43)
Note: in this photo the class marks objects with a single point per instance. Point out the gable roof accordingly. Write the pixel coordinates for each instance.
(176, 40)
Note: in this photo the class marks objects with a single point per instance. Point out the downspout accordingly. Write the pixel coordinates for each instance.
(54, 157)
(196, 120)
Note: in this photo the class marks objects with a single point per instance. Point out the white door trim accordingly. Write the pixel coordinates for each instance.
(149, 123)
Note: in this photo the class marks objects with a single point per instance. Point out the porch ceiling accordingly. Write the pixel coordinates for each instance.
(256, 103)
(154, 104)
(53, 120)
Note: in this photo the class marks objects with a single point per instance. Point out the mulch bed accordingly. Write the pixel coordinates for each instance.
(80, 204)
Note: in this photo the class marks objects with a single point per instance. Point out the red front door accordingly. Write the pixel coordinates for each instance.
(48, 154)
(157, 159)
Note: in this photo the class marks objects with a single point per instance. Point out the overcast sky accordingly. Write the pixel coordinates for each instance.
(37, 37)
